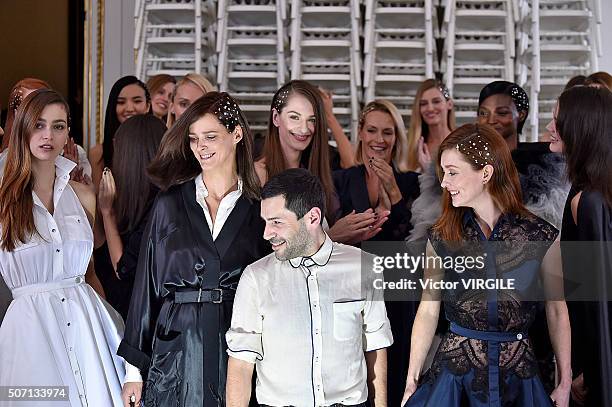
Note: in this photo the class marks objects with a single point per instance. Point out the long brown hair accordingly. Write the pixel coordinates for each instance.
(16, 204)
(315, 157)
(136, 143)
(418, 128)
(175, 162)
(504, 185)
(15, 99)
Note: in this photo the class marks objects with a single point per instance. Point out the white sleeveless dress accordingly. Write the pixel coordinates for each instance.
(57, 331)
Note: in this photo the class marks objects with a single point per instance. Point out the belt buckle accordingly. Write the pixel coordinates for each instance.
(220, 300)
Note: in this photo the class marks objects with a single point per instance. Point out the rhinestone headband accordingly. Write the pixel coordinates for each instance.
(444, 90)
(281, 99)
(477, 149)
(16, 99)
(520, 98)
(228, 112)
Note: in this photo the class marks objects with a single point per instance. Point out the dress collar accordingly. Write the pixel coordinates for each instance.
(63, 166)
(320, 258)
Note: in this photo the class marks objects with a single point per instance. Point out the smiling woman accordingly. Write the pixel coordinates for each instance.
(297, 138)
(485, 358)
(375, 200)
(380, 185)
(432, 119)
(161, 88)
(128, 97)
(208, 212)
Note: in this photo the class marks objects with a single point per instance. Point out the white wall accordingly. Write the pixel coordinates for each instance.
(605, 62)
(118, 42)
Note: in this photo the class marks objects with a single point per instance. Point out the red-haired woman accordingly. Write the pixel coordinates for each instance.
(57, 331)
(486, 358)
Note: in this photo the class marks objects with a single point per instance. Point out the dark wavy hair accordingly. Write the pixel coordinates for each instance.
(136, 143)
(584, 123)
(302, 191)
(175, 162)
(111, 121)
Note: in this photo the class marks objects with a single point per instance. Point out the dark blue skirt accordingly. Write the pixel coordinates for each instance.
(448, 389)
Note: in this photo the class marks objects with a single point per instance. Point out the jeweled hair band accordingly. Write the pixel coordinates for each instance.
(477, 149)
(228, 112)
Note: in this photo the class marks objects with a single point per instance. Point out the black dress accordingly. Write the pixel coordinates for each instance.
(592, 267)
(353, 193)
(118, 291)
(183, 296)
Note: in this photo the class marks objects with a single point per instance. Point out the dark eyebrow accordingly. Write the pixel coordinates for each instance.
(206, 132)
(450, 166)
(272, 218)
(59, 121)
(293, 111)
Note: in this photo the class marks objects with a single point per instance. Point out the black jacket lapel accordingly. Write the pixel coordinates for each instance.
(197, 220)
(233, 225)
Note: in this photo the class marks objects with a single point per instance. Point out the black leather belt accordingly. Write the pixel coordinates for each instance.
(215, 296)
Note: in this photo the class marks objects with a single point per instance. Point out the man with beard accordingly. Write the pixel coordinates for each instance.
(302, 317)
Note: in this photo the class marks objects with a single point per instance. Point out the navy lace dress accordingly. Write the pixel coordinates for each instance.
(486, 359)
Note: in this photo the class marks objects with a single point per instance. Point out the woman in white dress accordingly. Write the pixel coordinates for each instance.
(57, 330)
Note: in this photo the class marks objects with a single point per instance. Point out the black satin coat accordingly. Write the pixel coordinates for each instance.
(180, 347)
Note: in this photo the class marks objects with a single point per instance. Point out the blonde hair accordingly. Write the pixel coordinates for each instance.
(418, 128)
(401, 140)
(191, 78)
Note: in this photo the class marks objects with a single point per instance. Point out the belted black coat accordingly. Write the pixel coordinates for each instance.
(180, 346)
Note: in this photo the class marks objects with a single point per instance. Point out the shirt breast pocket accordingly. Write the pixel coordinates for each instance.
(75, 227)
(348, 320)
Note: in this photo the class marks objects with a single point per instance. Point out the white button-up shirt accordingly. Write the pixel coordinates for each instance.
(306, 323)
(226, 206)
